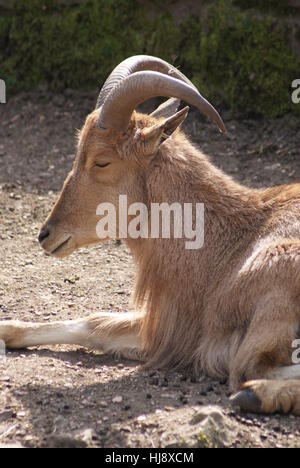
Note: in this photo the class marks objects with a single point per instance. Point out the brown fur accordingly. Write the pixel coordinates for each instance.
(277, 396)
(231, 308)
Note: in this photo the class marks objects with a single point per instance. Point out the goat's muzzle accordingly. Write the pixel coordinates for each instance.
(44, 233)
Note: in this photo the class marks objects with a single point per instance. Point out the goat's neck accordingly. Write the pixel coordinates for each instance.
(171, 279)
(181, 173)
(185, 174)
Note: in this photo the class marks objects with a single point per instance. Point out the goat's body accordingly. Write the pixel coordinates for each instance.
(201, 304)
(230, 309)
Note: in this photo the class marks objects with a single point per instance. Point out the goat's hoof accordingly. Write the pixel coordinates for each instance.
(247, 401)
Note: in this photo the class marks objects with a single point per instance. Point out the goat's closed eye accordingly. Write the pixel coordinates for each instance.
(102, 165)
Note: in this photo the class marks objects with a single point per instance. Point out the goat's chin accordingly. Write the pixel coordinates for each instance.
(62, 249)
(62, 254)
(70, 246)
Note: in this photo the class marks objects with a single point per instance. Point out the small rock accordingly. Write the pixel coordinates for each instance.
(208, 428)
(6, 415)
(154, 381)
(88, 435)
(141, 418)
(117, 399)
(213, 429)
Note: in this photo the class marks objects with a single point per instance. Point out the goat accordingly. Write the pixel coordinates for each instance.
(228, 310)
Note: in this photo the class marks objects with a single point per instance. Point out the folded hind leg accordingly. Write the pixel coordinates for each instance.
(279, 392)
(263, 367)
(269, 396)
(111, 333)
(268, 343)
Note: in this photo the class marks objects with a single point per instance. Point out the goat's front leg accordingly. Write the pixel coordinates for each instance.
(108, 332)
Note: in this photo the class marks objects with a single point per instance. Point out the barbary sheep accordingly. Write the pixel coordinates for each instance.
(228, 309)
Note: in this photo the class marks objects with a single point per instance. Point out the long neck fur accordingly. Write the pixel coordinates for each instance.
(172, 282)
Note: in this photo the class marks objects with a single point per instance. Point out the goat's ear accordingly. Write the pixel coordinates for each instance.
(173, 122)
(155, 135)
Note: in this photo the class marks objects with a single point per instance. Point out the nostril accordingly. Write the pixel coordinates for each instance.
(43, 235)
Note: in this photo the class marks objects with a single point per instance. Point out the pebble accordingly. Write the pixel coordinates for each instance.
(6, 415)
(117, 399)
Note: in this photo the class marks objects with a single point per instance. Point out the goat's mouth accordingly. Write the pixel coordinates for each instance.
(61, 248)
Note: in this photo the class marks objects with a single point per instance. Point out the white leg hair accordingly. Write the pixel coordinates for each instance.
(285, 373)
(110, 333)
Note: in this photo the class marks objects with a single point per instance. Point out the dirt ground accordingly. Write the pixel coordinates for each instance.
(51, 391)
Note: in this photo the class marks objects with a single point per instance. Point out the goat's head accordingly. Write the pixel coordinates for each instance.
(115, 147)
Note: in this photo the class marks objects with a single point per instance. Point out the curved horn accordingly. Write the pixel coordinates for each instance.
(167, 108)
(140, 86)
(135, 64)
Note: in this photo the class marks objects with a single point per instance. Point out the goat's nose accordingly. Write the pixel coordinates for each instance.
(44, 233)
